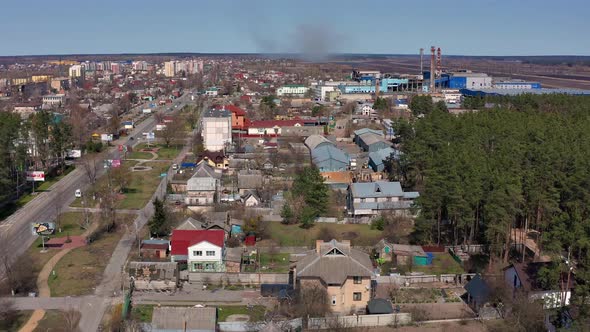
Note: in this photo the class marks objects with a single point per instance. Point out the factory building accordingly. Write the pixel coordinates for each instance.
(516, 84)
(469, 80)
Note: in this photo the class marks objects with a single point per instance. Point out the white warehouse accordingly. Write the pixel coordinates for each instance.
(216, 129)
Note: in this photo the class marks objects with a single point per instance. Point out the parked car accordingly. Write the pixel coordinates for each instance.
(174, 166)
(78, 193)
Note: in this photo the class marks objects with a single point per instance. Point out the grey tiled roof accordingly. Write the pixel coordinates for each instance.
(335, 269)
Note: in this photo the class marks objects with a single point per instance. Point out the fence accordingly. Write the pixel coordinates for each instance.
(417, 279)
(468, 248)
(342, 322)
(239, 278)
(289, 325)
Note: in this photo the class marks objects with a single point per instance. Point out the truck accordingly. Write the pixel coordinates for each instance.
(147, 111)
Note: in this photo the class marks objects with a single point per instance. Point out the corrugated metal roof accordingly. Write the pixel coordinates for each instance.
(327, 152)
(314, 141)
(380, 155)
(362, 131)
(376, 189)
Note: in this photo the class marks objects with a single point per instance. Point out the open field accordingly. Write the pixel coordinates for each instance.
(81, 270)
(293, 235)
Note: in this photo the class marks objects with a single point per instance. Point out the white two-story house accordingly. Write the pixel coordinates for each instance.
(201, 250)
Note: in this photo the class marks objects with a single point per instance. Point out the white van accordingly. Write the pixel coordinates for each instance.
(78, 193)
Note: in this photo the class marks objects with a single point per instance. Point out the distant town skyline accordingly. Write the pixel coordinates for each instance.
(314, 28)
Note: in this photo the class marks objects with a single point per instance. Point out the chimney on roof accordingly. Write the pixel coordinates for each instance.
(318, 245)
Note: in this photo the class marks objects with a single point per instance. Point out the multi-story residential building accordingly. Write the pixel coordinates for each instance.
(216, 129)
(169, 68)
(369, 199)
(202, 250)
(140, 65)
(76, 71)
(344, 273)
(292, 90)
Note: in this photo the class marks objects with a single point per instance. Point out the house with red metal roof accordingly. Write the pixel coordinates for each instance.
(202, 250)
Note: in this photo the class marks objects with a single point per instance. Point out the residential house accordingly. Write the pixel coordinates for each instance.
(377, 158)
(26, 109)
(203, 187)
(190, 224)
(365, 109)
(202, 250)
(238, 117)
(272, 127)
(369, 199)
(154, 248)
(249, 180)
(216, 159)
(251, 200)
(344, 272)
(523, 278)
(478, 292)
(184, 319)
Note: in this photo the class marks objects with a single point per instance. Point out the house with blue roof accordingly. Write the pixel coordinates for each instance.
(328, 158)
(377, 158)
(369, 199)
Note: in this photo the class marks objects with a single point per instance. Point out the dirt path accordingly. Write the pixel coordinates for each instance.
(43, 286)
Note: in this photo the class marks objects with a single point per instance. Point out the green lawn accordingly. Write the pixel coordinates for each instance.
(14, 324)
(293, 235)
(142, 186)
(256, 313)
(9, 209)
(69, 222)
(81, 270)
(139, 155)
(142, 312)
(442, 263)
(56, 320)
(164, 152)
(276, 263)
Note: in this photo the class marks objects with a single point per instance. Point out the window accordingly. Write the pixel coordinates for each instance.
(333, 299)
(199, 266)
(357, 280)
(210, 253)
(356, 296)
(197, 253)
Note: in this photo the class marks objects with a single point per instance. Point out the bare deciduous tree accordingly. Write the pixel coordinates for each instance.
(70, 320)
(91, 163)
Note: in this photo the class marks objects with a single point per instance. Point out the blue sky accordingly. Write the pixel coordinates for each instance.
(469, 27)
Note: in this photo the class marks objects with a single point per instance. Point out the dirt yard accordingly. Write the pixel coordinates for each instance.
(433, 311)
(469, 326)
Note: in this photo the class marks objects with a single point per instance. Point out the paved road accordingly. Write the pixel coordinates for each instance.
(51, 303)
(16, 229)
(110, 288)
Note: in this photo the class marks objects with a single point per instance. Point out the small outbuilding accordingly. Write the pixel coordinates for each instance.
(379, 307)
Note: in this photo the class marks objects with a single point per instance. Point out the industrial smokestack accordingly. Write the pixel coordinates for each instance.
(377, 86)
(432, 75)
(438, 63)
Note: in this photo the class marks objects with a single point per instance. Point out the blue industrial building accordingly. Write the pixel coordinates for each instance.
(367, 85)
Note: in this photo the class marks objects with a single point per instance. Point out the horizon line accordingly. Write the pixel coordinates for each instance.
(274, 54)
